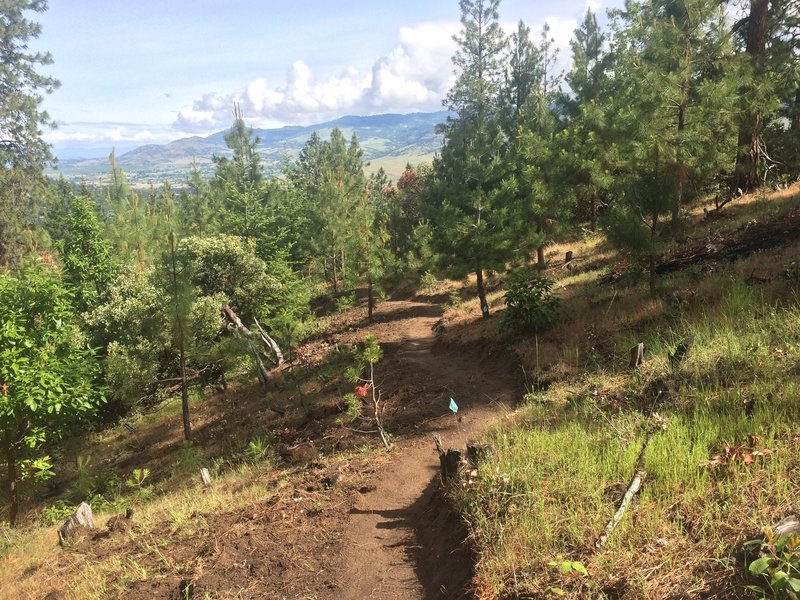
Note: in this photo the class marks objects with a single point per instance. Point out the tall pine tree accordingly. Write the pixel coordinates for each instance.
(471, 188)
(23, 153)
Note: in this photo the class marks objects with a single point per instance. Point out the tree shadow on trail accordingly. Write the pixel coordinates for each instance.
(435, 543)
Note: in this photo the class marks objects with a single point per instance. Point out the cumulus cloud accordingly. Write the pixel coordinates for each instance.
(119, 133)
(414, 76)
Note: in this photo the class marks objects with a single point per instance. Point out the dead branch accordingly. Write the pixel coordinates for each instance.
(238, 328)
(633, 489)
(273, 345)
(657, 424)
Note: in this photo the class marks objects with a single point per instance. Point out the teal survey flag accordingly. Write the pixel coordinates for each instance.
(453, 405)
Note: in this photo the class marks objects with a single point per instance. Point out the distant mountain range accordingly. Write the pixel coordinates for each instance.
(389, 141)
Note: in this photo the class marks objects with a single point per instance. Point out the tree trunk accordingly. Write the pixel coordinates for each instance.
(681, 173)
(370, 300)
(187, 426)
(541, 263)
(748, 155)
(652, 264)
(653, 275)
(11, 481)
(482, 293)
(593, 211)
(334, 274)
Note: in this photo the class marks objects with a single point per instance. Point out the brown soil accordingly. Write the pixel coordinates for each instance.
(373, 527)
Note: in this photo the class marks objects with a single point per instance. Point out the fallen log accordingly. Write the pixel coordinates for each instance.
(753, 237)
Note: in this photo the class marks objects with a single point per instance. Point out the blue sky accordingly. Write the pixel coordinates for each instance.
(151, 71)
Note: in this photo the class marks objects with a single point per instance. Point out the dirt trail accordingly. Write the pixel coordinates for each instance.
(398, 543)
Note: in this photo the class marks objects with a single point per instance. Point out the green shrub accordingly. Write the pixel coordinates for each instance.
(428, 281)
(56, 513)
(260, 449)
(531, 305)
(778, 565)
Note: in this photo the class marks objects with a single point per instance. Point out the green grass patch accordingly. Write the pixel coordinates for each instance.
(727, 464)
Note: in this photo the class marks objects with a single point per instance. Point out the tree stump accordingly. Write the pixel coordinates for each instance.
(451, 464)
(568, 259)
(449, 460)
(637, 356)
(81, 518)
(476, 452)
(681, 351)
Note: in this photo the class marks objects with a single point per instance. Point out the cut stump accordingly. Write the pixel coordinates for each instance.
(82, 518)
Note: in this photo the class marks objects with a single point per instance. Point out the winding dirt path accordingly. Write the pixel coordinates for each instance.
(399, 543)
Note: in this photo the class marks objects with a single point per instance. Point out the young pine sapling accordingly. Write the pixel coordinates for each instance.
(362, 373)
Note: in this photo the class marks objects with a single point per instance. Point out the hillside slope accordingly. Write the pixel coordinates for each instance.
(305, 503)
(389, 140)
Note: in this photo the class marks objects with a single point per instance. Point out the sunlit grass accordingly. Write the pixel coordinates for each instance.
(558, 471)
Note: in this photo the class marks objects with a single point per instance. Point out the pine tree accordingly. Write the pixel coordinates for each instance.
(539, 203)
(329, 175)
(586, 144)
(670, 86)
(471, 183)
(23, 153)
(239, 180)
(769, 117)
(196, 211)
(88, 267)
(522, 78)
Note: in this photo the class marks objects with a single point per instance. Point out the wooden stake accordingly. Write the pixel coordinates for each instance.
(205, 477)
(637, 356)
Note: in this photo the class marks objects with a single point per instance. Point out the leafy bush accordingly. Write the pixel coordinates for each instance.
(779, 565)
(531, 305)
(56, 513)
(135, 324)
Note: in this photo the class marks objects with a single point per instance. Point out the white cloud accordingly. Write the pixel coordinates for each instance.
(56, 136)
(594, 5)
(121, 134)
(117, 134)
(414, 76)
